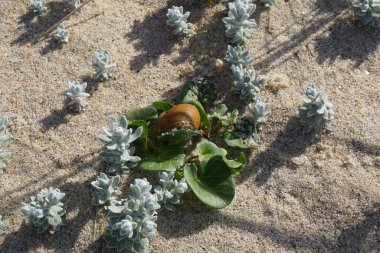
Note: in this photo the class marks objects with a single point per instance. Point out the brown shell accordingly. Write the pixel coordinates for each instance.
(182, 116)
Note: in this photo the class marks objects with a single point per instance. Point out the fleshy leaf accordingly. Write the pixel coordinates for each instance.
(146, 113)
(215, 186)
(169, 159)
(232, 141)
(163, 106)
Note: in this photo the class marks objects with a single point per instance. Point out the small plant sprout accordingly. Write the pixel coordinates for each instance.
(367, 12)
(132, 222)
(247, 82)
(268, 3)
(108, 189)
(38, 7)
(74, 3)
(61, 34)
(46, 210)
(260, 113)
(169, 190)
(237, 55)
(178, 20)
(78, 96)
(316, 113)
(238, 25)
(101, 65)
(3, 226)
(4, 137)
(118, 139)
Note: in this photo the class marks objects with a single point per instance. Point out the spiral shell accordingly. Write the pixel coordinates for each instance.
(182, 116)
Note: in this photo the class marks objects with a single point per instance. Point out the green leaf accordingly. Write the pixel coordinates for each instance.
(226, 116)
(146, 113)
(208, 150)
(179, 137)
(232, 141)
(143, 140)
(169, 159)
(205, 122)
(163, 106)
(219, 110)
(215, 186)
(202, 90)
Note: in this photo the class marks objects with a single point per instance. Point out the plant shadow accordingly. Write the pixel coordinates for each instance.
(355, 239)
(34, 25)
(26, 239)
(289, 143)
(51, 46)
(57, 117)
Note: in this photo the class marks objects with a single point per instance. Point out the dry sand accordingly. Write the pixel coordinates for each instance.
(294, 196)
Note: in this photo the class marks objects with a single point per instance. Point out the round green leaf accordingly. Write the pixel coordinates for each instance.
(232, 141)
(146, 113)
(215, 187)
(170, 158)
(163, 106)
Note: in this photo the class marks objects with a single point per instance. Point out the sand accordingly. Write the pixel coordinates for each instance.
(294, 195)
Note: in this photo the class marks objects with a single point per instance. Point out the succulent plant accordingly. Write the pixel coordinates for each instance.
(237, 55)
(316, 113)
(178, 20)
(4, 138)
(132, 222)
(101, 65)
(260, 113)
(247, 82)
(46, 209)
(238, 25)
(78, 96)
(268, 3)
(3, 226)
(118, 139)
(61, 34)
(367, 12)
(169, 190)
(74, 3)
(108, 189)
(38, 7)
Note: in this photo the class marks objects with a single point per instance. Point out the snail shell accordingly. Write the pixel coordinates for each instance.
(182, 116)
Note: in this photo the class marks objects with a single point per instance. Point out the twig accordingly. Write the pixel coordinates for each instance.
(48, 31)
(85, 20)
(96, 216)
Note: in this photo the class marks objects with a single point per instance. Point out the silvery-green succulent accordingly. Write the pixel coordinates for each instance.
(237, 55)
(4, 137)
(78, 96)
(101, 65)
(238, 25)
(118, 139)
(3, 227)
(132, 221)
(367, 12)
(38, 7)
(169, 190)
(316, 113)
(108, 189)
(268, 3)
(260, 112)
(61, 34)
(46, 210)
(178, 20)
(247, 82)
(74, 3)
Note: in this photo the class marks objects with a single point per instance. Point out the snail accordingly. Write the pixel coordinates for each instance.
(181, 116)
